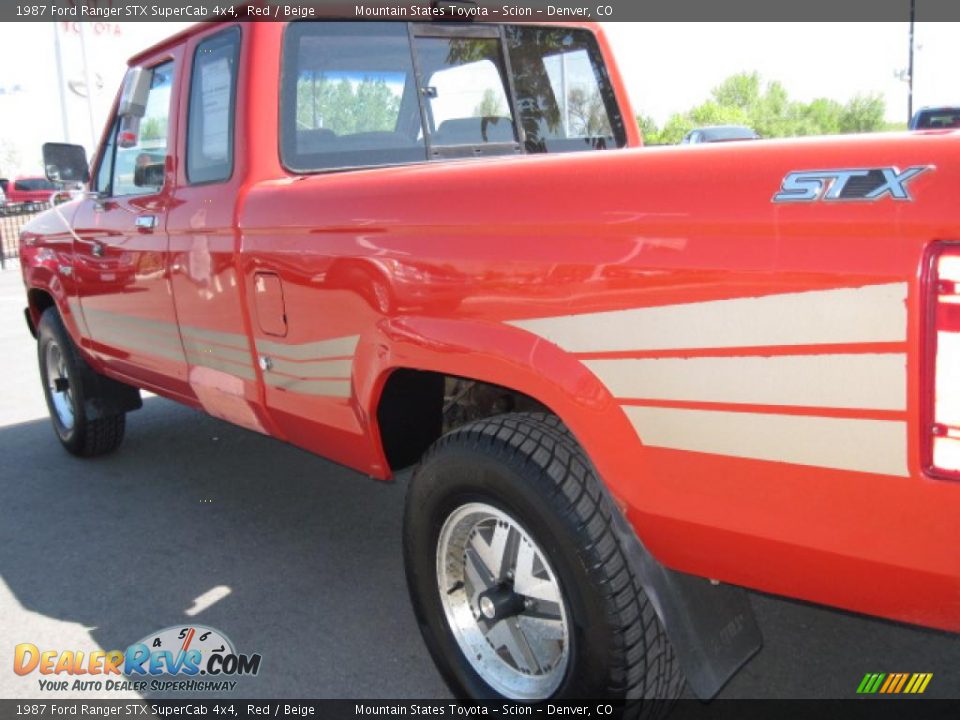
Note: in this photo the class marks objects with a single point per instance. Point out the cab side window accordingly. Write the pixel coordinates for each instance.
(213, 91)
(466, 93)
(138, 167)
(348, 96)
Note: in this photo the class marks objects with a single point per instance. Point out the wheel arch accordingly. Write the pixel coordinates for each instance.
(712, 627)
(38, 301)
(414, 354)
(46, 289)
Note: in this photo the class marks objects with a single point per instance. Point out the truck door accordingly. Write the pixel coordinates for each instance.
(121, 245)
(207, 291)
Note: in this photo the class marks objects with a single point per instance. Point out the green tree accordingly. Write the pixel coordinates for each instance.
(376, 107)
(649, 130)
(742, 99)
(738, 91)
(588, 116)
(490, 105)
(346, 107)
(9, 159)
(154, 128)
(864, 113)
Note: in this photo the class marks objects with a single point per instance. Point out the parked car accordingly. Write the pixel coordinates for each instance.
(631, 380)
(719, 133)
(30, 193)
(931, 118)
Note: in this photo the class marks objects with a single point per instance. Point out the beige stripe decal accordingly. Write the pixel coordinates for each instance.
(875, 313)
(868, 381)
(202, 349)
(142, 336)
(230, 352)
(125, 321)
(214, 363)
(314, 368)
(335, 347)
(142, 341)
(223, 338)
(871, 446)
(333, 388)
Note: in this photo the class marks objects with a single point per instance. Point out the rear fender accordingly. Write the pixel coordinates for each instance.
(712, 627)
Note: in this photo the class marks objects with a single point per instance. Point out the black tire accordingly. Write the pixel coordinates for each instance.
(530, 467)
(84, 436)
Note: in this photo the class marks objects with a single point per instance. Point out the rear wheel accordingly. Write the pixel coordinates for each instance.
(69, 386)
(519, 583)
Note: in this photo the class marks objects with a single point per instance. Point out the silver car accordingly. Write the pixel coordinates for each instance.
(719, 133)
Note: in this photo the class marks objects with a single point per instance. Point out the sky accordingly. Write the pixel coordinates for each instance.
(670, 67)
(667, 67)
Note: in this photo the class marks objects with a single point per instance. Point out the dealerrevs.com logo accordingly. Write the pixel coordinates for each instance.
(189, 659)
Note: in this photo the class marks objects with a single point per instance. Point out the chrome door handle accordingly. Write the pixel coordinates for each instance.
(146, 222)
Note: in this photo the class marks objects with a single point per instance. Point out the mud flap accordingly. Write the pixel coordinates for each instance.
(109, 397)
(711, 627)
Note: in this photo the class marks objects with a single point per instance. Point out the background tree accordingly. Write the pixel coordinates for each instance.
(743, 99)
(490, 105)
(588, 116)
(9, 159)
(346, 107)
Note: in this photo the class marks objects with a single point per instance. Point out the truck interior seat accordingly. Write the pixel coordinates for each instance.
(474, 131)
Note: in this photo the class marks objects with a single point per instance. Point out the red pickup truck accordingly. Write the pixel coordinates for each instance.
(30, 193)
(633, 380)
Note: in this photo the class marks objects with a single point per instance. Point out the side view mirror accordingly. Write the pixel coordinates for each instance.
(133, 105)
(149, 169)
(65, 163)
(133, 97)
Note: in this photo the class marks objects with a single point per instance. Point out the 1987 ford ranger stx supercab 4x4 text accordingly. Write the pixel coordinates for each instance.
(634, 381)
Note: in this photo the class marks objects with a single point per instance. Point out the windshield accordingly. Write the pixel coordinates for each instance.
(943, 118)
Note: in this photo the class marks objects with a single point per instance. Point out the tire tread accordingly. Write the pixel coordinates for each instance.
(94, 437)
(642, 661)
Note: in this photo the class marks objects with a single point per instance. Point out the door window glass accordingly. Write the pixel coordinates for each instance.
(139, 168)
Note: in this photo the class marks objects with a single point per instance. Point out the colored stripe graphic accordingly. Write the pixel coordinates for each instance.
(319, 368)
(894, 683)
(814, 378)
(316, 368)
(874, 381)
(875, 313)
(872, 446)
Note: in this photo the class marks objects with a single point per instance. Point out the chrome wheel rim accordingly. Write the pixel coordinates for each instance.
(503, 602)
(59, 386)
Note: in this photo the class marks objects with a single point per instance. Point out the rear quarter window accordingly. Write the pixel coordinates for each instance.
(564, 96)
(348, 97)
(213, 91)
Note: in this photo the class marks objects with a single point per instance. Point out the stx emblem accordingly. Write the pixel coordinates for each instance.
(854, 184)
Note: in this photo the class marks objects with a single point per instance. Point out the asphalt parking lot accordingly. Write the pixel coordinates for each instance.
(291, 556)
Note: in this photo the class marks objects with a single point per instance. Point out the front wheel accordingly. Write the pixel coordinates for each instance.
(520, 585)
(69, 386)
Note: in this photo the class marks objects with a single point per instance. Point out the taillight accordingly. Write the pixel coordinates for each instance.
(942, 366)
